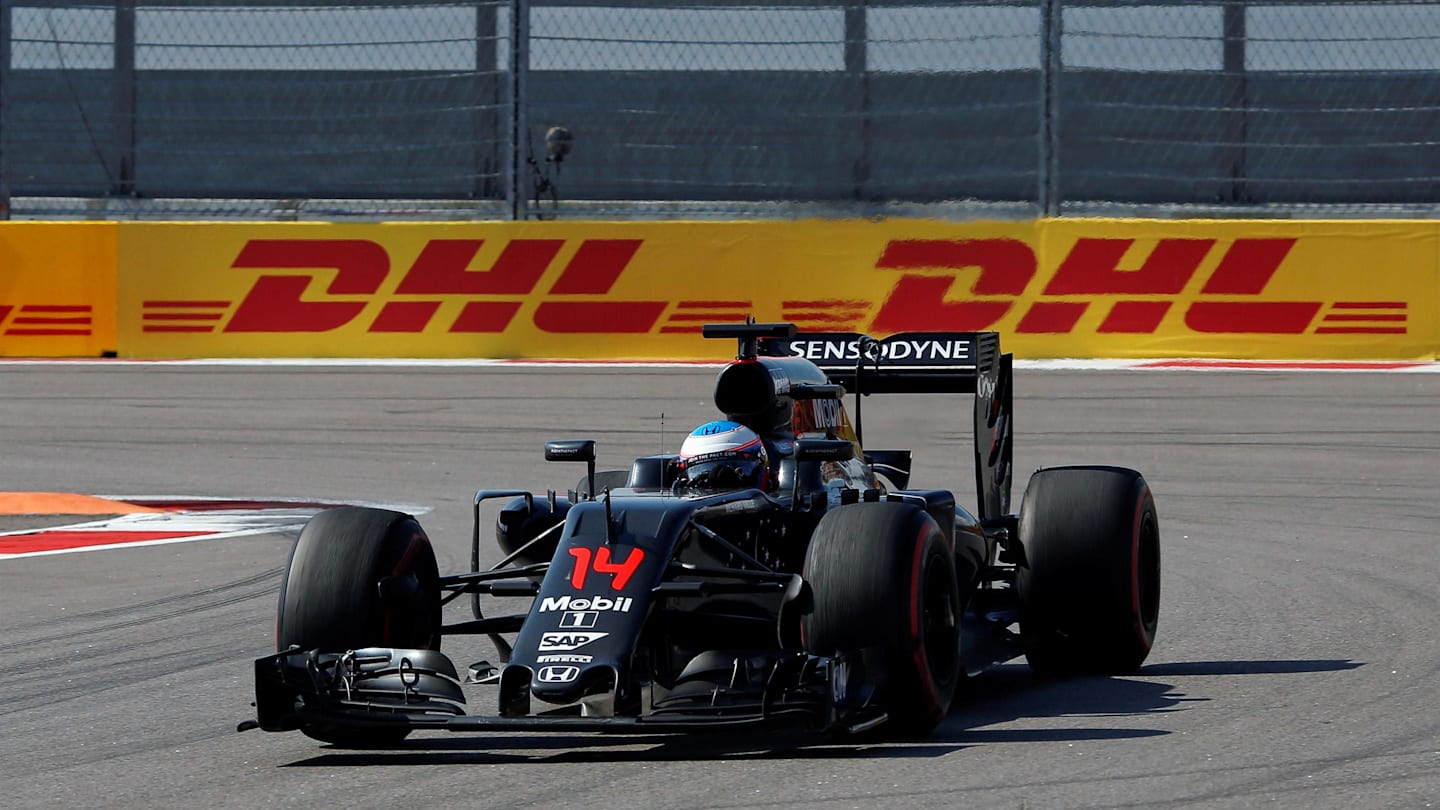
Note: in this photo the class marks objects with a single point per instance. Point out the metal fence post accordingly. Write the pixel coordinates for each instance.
(4, 108)
(519, 126)
(857, 67)
(122, 184)
(1051, 64)
(488, 96)
(1238, 117)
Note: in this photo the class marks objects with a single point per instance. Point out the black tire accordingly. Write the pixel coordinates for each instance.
(883, 576)
(1089, 584)
(330, 595)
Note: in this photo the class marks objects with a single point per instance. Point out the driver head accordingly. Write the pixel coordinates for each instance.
(723, 455)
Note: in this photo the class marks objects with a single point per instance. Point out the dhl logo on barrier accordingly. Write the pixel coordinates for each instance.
(57, 289)
(1053, 288)
(924, 288)
(1091, 270)
(46, 320)
(279, 303)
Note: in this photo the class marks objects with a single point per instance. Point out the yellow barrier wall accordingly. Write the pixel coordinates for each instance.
(1055, 288)
(1217, 288)
(57, 289)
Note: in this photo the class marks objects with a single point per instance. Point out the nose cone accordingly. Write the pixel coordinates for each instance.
(565, 683)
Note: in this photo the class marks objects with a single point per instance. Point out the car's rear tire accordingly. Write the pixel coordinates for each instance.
(882, 576)
(330, 595)
(1089, 583)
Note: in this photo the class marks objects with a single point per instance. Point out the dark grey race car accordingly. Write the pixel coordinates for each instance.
(839, 599)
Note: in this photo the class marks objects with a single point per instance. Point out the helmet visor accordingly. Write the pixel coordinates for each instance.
(725, 474)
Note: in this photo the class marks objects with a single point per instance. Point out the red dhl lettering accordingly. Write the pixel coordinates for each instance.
(46, 320)
(940, 285)
(286, 303)
(924, 300)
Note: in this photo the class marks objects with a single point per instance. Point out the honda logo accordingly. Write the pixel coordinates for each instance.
(558, 674)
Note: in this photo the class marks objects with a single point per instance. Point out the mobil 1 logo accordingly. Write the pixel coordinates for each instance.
(602, 604)
(579, 619)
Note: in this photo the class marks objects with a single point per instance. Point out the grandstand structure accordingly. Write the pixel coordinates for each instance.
(329, 109)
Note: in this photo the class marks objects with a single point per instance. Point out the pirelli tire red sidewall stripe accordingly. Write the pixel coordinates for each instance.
(930, 690)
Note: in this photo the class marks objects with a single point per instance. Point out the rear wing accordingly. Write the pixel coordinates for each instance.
(926, 363)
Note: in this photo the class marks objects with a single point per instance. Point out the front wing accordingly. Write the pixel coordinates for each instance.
(382, 688)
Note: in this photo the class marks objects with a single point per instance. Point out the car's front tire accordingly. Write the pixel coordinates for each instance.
(882, 576)
(330, 596)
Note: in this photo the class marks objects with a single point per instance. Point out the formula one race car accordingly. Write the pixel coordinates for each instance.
(773, 572)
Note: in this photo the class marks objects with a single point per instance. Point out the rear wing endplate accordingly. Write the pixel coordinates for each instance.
(927, 363)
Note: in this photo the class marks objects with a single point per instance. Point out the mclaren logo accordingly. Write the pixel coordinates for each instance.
(558, 674)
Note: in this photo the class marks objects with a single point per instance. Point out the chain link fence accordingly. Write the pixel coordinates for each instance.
(439, 110)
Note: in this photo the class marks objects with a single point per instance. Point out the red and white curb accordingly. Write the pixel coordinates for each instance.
(191, 520)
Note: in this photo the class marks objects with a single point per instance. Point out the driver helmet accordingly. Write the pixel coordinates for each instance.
(723, 455)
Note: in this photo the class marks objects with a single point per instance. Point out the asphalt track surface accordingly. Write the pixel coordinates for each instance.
(1297, 665)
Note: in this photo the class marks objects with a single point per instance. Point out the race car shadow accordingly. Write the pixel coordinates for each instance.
(1005, 695)
(573, 748)
(611, 749)
(1280, 667)
(1011, 693)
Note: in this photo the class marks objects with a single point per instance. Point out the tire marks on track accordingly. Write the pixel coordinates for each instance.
(76, 658)
(268, 580)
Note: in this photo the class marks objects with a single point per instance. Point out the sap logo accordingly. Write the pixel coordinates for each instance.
(620, 604)
(558, 674)
(564, 659)
(559, 642)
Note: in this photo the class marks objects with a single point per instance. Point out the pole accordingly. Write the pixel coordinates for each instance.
(856, 67)
(5, 29)
(1239, 113)
(123, 184)
(519, 126)
(1051, 65)
(489, 95)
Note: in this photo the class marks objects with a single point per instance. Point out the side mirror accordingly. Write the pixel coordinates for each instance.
(808, 479)
(575, 450)
(824, 450)
(570, 450)
(817, 391)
